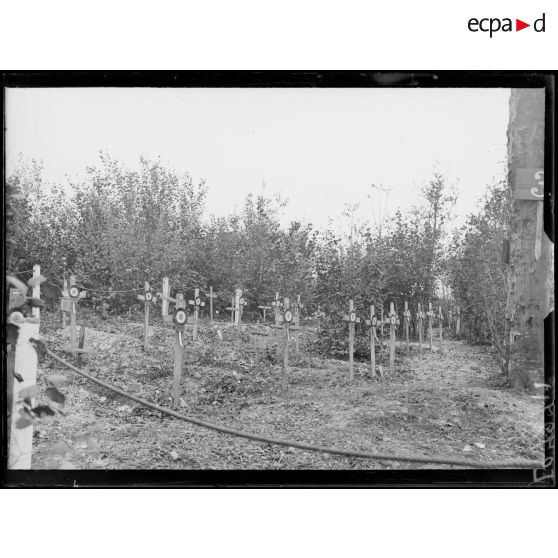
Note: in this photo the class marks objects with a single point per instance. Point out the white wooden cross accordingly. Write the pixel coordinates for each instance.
(353, 319)
(372, 322)
(392, 325)
(232, 309)
(241, 303)
(420, 316)
(148, 298)
(430, 315)
(407, 321)
(180, 318)
(211, 296)
(287, 325)
(165, 301)
(197, 303)
(68, 303)
(440, 321)
(458, 321)
(277, 305)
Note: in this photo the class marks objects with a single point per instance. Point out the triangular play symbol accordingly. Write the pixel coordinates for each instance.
(519, 25)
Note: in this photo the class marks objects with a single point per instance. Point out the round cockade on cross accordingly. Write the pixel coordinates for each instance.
(393, 320)
(374, 320)
(180, 316)
(288, 316)
(241, 301)
(352, 316)
(197, 301)
(73, 291)
(16, 317)
(149, 296)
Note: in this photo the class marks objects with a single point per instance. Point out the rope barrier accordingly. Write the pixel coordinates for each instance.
(519, 464)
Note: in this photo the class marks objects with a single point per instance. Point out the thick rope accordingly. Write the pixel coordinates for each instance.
(519, 464)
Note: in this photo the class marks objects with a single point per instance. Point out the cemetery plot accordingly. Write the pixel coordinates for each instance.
(432, 404)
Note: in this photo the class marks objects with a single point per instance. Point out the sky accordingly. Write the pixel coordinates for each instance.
(320, 148)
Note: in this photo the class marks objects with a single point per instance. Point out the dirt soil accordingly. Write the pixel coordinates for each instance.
(451, 403)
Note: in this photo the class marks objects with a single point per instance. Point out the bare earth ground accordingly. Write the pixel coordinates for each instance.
(450, 404)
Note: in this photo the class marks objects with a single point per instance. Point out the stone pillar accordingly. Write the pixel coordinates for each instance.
(530, 281)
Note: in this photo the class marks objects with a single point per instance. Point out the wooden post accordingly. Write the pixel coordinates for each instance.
(164, 299)
(197, 304)
(73, 316)
(372, 323)
(146, 297)
(232, 310)
(458, 321)
(237, 297)
(64, 294)
(211, 296)
(440, 320)
(25, 365)
(382, 326)
(297, 323)
(420, 316)
(430, 315)
(352, 318)
(286, 325)
(277, 305)
(80, 344)
(407, 319)
(286, 348)
(180, 318)
(36, 293)
(392, 325)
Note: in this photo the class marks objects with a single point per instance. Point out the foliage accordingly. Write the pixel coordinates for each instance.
(120, 227)
(477, 275)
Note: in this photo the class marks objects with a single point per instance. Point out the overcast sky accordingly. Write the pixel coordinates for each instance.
(321, 148)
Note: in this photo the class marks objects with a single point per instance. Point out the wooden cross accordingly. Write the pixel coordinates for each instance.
(440, 320)
(148, 299)
(372, 322)
(68, 303)
(392, 326)
(287, 326)
(211, 296)
(430, 315)
(178, 302)
(180, 318)
(353, 319)
(382, 325)
(240, 305)
(277, 305)
(420, 316)
(165, 300)
(264, 308)
(232, 309)
(197, 303)
(458, 321)
(406, 322)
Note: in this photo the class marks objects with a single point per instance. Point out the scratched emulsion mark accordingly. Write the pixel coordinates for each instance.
(547, 473)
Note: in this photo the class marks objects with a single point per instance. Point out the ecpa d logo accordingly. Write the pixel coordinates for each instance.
(493, 25)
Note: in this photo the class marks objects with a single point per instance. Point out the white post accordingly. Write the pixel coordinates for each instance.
(25, 364)
(237, 296)
(166, 294)
(36, 312)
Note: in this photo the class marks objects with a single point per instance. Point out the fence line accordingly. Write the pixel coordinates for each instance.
(519, 464)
